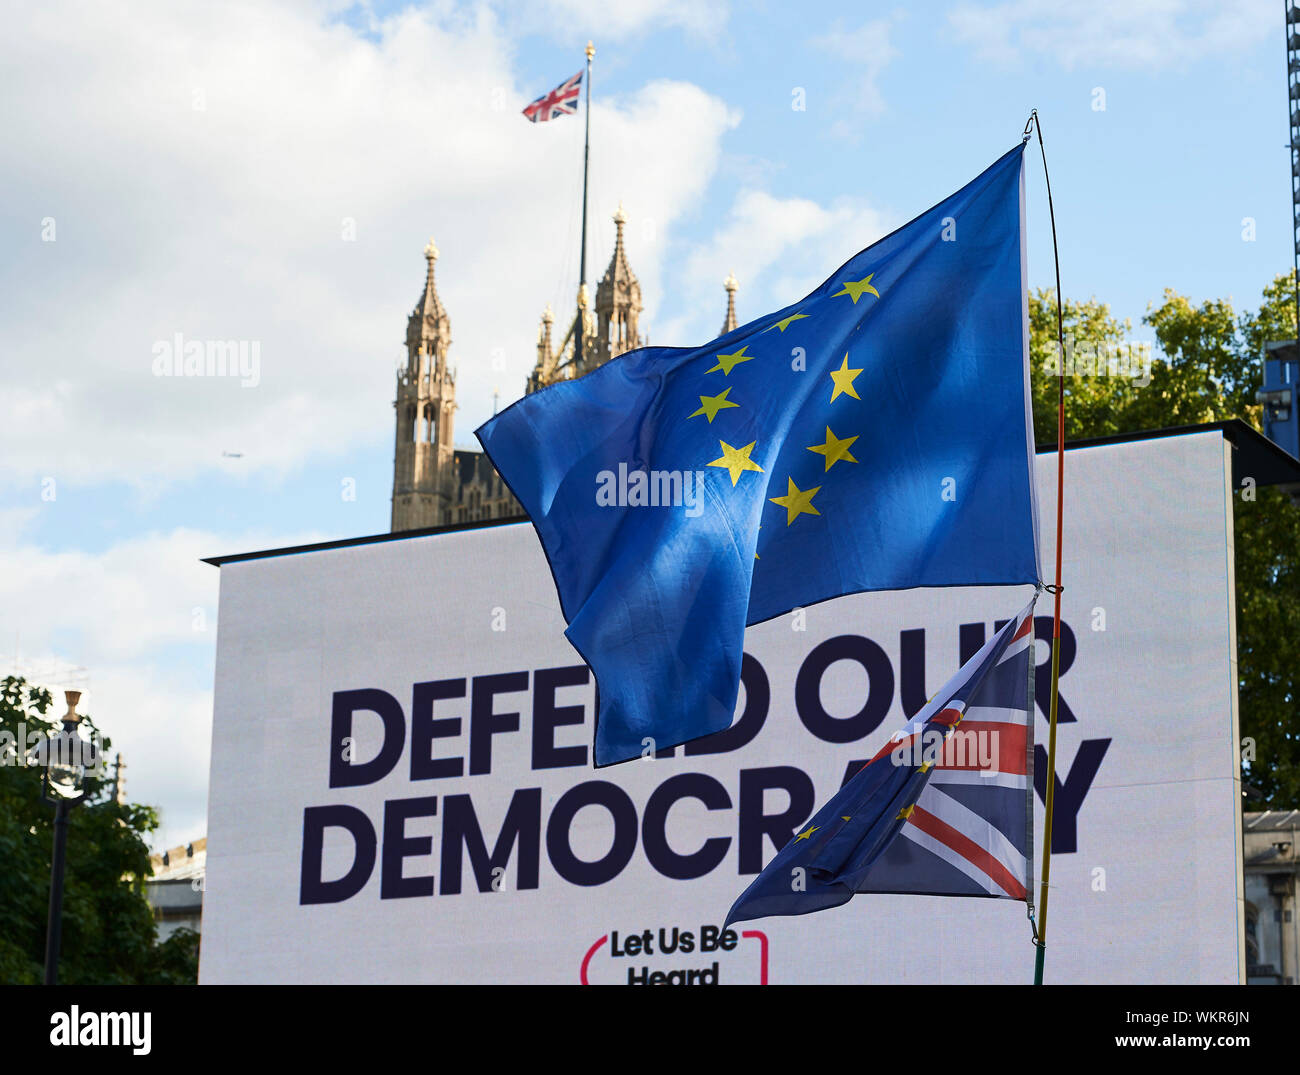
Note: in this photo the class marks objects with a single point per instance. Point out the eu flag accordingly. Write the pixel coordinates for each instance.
(875, 435)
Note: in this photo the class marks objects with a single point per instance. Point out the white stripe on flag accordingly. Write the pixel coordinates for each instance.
(985, 778)
(992, 714)
(1014, 649)
(956, 861)
(975, 828)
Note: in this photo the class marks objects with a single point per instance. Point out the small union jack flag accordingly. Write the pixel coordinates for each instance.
(561, 101)
(944, 808)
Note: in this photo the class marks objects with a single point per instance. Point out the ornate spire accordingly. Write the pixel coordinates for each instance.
(424, 489)
(429, 329)
(620, 255)
(545, 354)
(430, 300)
(729, 325)
(619, 274)
(618, 301)
(585, 322)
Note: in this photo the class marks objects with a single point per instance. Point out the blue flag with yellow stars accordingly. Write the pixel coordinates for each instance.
(875, 435)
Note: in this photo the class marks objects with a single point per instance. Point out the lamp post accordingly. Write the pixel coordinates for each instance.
(67, 757)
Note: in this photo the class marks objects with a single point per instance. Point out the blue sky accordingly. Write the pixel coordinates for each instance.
(194, 168)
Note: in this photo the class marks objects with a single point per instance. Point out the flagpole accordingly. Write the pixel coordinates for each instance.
(582, 261)
(1040, 939)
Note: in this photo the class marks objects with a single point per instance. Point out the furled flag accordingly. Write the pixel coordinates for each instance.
(944, 809)
(876, 435)
(561, 101)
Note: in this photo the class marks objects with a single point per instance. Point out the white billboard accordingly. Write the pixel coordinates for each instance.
(402, 789)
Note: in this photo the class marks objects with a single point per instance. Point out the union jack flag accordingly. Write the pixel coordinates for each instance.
(561, 101)
(945, 808)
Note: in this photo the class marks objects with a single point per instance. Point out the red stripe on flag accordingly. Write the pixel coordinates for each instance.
(974, 739)
(890, 746)
(968, 849)
(946, 717)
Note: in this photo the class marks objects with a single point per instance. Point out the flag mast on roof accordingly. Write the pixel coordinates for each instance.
(563, 101)
(579, 332)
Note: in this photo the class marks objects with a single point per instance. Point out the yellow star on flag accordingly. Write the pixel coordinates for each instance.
(835, 449)
(736, 460)
(784, 323)
(843, 379)
(710, 405)
(855, 289)
(727, 363)
(807, 832)
(796, 501)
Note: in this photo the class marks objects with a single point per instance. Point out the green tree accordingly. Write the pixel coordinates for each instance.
(1207, 365)
(109, 936)
(1091, 403)
(1268, 641)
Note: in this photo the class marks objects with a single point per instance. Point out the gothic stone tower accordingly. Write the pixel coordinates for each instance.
(437, 484)
(424, 478)
(618, 304)
(729, 322)
(596, 336)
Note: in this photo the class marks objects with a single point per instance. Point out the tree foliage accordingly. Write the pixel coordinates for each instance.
(109, 935)
(1206, 365)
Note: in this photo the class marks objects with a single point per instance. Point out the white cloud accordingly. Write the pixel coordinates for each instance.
(703, 18)
(199, 164)
(781, 248)
(134, 627)
(125, 603)
(866, 52)
(163, 730)
(1136, 34)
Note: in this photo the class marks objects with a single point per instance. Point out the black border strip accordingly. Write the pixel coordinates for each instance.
(368, 539)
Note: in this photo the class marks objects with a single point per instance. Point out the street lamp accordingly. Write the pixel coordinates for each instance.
(67, 757)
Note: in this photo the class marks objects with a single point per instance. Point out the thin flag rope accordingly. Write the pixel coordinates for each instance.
(1040, 927)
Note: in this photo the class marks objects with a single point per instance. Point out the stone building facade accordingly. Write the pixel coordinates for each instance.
(1272, 881)
(175, 888)
(438, 484)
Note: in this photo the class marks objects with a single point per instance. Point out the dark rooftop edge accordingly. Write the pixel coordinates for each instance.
(1256, 456)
